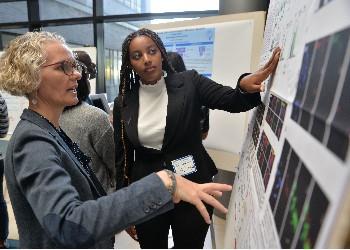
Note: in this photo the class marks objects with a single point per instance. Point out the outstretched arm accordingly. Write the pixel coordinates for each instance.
(253, 83)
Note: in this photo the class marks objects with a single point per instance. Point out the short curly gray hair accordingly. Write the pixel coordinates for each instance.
(21, 62)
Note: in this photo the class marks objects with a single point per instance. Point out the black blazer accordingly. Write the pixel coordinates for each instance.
(187, 92)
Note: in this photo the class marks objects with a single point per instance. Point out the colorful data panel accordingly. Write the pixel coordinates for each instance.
(295, 161)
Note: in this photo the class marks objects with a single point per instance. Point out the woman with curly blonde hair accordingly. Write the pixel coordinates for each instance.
(57, 200)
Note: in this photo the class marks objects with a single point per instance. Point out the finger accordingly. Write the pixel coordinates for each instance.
(274, 53)
(213, 202)
(215, 193)
(208, 187)
(203, 210)
(262, 87)
(267, 71)
(272, 66)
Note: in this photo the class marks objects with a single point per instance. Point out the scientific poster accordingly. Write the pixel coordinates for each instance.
(294, 173)
(196, 47)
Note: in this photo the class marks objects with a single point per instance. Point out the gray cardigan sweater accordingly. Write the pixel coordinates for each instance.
(91, 129)
(56, 205)
(4, 119)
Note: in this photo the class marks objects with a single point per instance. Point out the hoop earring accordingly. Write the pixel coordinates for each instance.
(165, 74)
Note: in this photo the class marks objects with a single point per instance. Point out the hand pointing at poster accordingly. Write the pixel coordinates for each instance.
(254, 82)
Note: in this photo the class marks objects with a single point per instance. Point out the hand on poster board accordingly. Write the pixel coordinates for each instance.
(254, 82)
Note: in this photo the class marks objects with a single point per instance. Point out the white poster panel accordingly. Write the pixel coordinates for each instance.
(295, 160)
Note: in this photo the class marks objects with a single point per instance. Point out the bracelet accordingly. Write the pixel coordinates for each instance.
(172, 187)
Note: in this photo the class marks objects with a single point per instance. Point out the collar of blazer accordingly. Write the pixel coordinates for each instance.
(176, 96)
(42, 123)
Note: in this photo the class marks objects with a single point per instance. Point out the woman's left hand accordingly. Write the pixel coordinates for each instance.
(254, 82)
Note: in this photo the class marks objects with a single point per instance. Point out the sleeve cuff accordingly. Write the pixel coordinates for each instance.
(238, 83)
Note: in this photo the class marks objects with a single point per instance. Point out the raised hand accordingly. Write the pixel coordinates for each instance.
(196, 194)
(254, 82)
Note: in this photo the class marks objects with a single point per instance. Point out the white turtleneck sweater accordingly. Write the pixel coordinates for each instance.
(153, 103)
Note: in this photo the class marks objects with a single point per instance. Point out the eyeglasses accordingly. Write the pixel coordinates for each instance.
(68, 67)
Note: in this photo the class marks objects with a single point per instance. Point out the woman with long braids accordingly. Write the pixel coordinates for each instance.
(156, 121)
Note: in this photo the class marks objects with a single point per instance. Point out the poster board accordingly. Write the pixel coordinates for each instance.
(233, 45)
(293, 182)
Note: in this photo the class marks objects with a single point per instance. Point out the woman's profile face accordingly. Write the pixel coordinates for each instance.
(57, 89)
(146, 59)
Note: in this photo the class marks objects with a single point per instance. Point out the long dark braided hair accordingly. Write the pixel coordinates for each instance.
(129, 78)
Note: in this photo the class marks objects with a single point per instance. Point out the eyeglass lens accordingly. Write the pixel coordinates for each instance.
(69, 67)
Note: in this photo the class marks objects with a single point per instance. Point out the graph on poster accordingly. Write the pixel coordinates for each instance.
(294, 173)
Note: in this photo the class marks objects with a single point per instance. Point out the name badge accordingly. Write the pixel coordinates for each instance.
(184, 166)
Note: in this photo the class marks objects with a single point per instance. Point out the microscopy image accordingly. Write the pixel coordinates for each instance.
(297, 202)
(298, 194)
(338, 141)
(317, 101)
(315, 211)
(265, 156)
(283, 110)
(267, 172)
(305, 119)
(296, 113)
(302, 82)
(257, 123)
(280, 174)
(338, 46)
(279, 128)
(260, 113)
(275, 114)
(314, 81)
(269, 116)
(286, 190)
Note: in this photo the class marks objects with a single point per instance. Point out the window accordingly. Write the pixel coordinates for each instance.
(13, 12)
(58, 9)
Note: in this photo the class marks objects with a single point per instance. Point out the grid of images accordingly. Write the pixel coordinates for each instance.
(275, 114)
(258, 120)
(297, 202)
(265, 156)
(323, 94)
